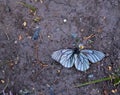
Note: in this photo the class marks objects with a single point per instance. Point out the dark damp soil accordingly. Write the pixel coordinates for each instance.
(26, 65)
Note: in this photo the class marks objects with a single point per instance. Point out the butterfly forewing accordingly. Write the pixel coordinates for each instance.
(93, 55)
(57, 54)
(64, 57)
(99, 54)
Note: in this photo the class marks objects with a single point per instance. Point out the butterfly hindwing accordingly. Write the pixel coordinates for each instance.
(64, 57)
(81, 62)
(93, 55)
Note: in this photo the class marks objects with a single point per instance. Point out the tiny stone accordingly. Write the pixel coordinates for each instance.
(33, 71)
(41, 1)
(48, 36)
(3, 71)
(94, 92)
(74, 35)
(29, 37)
(90, 76)
(57, 29)
(25, 24)
(65, 20)
(80, 19)
(109, 68)
(101, 65)
(58, 71)
(104, 18)
(33, 88)
(73, 44)
(82, 30)
(47, 85)
(2, 81)
(15, 42)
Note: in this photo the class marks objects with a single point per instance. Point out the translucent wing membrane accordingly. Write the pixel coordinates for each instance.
(93, 55)
(81, 62)
(64, 57)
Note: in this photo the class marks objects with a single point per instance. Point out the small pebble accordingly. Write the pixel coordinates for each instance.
(33, 88)
(2, 81)
(48, 36)
(109, 68)
(101, 65)
(3, 71)
(15, 42)
(24, 23)
(57, 29)
(36, 33)
(74, 35)
(65, 20)
(58, 71)
(47, 85)
(33, 71)
(29, 37)
(90, 76)
(41, 1)
(95, 92)
(80, 19)
(73, 44)
(82, 30)
(104, 18)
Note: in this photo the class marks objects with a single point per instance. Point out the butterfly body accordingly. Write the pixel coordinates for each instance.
(76, 51)
(81, 58)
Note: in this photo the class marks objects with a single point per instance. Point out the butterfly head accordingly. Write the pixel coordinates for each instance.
(81, 46)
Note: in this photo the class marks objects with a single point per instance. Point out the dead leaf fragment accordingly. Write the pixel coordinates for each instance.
(89, 37)
(20, 37)
(109, 68)
(2, 81)
(24, 23)
(114, 91)
(37, 19)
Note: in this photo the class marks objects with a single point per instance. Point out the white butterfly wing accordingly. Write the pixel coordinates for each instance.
(93, 55)
(64, 57)
(81, 62)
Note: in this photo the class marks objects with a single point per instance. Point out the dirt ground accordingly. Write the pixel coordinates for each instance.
(26, 65)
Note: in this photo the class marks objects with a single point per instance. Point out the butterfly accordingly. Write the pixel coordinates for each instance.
(81, 58)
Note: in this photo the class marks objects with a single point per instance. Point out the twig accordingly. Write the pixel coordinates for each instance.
(28, 6)
(90, 36)
(7, 36)
(95, 81)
